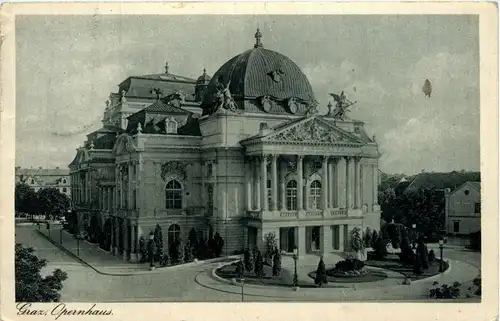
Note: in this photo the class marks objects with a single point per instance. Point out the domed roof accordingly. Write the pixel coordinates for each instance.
(203, 79)
(260, 72)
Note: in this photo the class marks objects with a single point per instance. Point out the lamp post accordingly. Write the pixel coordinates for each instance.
(414, 229)
(295, 275)
(441, 245)
(60, 236)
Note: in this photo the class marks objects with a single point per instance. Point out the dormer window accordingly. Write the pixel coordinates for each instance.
(32, 181)
(64, 181)
(170, 126)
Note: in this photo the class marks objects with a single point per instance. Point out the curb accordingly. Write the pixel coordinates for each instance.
(437, 276)
(139, 272)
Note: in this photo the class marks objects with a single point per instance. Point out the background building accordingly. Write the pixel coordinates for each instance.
(39, 178)
(244, 153)
(463, 209)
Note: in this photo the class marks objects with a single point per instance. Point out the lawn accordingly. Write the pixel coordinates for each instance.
(371, 276)
(392, 262)
(285, 278)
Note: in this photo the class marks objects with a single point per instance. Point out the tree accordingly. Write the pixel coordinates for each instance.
(94, 230)
(30, 286)
(193, 238)
(423, 254)
(53, 202)
(25, 199)
(374, 239)
(218, 244)
(259, 266)
(277, 263)
(248, 260)
(368, 237)
(321, 277)
(158, 239)
(179, 252)
(188, 252)
(271, 245)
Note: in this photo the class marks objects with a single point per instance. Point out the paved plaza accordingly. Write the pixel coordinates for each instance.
(99, 276)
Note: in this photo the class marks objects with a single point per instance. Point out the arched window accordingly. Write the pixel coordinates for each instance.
(170, 126)
(174, 234)
(269, 193)
(32, 181)
(65, 189)
(173, 195)
(291, 195)
(64, 181)
(315, 195)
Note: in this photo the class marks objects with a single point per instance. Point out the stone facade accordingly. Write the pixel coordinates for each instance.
(231, 164)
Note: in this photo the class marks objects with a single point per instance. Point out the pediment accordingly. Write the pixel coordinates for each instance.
(311, 130)
(124, 145)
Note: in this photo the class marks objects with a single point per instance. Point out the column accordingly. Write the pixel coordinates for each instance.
(348, 182)
(117, 186)
(325, 239)
(274, 182)
(341, 238)
(126, 250)
(340, 178)
(256, 177)
(203, 189)
(87, 183)
(324, 183)
(357, 182)
(283, 186)
(263, 183)
(300, 184)
(375, 185)
(115, 235)
(248, 183)
(301, 240)
(133, 248)
(129, 185)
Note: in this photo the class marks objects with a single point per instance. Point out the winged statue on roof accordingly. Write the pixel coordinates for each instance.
(224, 99)
(341, 106)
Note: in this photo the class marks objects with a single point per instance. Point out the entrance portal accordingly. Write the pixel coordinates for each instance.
(287, 239)
(313, 238)
(252, 237)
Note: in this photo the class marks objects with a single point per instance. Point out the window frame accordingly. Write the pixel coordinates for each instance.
(291, 195)
(315, 195)
(173, 195)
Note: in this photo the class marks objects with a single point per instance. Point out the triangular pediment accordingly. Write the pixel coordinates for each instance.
(311, 130)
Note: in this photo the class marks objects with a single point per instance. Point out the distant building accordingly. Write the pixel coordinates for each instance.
(463, 209)
(441, 181)
(39, 178)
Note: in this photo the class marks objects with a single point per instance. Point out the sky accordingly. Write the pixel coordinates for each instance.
(68, 65)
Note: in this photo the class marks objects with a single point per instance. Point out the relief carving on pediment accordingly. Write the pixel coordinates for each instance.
(311, 131)
(174, 168)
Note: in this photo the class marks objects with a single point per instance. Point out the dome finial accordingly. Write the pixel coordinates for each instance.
(166, 68)
(204, 70)
(258, 36)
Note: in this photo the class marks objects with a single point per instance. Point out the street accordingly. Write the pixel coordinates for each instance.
(84, 284)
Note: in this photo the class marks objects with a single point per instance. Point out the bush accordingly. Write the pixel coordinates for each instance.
(158, 239)
(374, 239)
(240, 270)
(407, 256)
(259, 266)
(218, 245)
(277, 263)
(180, 253)
(271, 245)
(367, 237)
(431, 257)
(193, 239)
(423, 254)
(143, 250)
(165, 260)
(321, 277)
(349, 264)
(202, 250)
(188, 252)
(477, 282)
(445, 291)
(248, 261)
(475, 241)
(380, 248)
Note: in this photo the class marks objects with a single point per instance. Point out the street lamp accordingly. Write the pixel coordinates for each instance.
(414, 228)
(295, 276)
(441, 245)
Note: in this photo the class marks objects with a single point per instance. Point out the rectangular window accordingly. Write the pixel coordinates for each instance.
(477, 208)
(291, 199)
(174, 199)
(209, 170)
(456, 227)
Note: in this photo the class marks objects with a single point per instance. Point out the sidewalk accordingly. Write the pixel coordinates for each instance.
(102, 261)
(458, 271)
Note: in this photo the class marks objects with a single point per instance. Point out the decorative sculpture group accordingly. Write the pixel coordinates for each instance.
(223, 99)
(341, 108)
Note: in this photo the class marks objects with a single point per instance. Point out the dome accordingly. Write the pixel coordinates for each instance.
(203, 79)
(261, 75)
